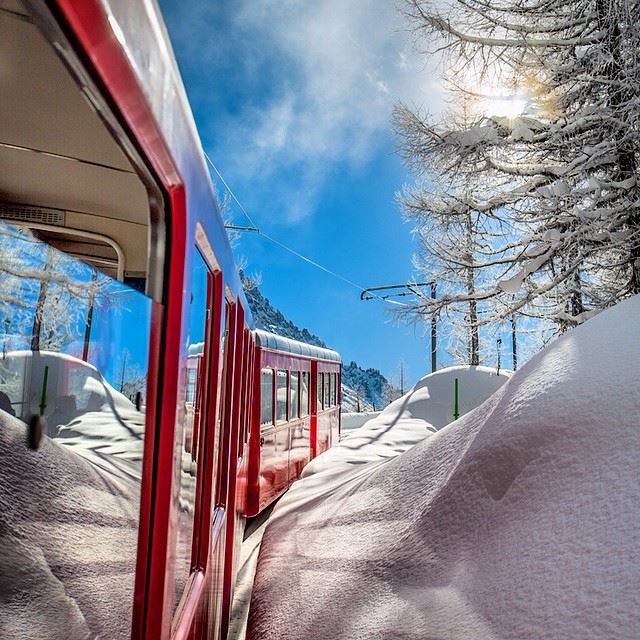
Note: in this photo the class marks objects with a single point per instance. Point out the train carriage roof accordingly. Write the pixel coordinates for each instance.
(272, 341)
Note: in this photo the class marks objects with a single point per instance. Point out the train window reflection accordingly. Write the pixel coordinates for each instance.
(293, 404)
(74, 351)
(331, 389)
(190, 419)
(266, 396)
(304, 394)
(281, 396)
(326, 391)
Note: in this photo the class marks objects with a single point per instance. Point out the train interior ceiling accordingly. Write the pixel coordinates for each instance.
(63, 174)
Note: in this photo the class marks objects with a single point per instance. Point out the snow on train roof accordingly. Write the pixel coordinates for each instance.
(273, 341)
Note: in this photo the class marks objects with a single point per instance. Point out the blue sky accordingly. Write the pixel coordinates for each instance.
(293, 102)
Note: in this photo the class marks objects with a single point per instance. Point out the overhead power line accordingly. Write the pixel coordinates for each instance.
(299, 255)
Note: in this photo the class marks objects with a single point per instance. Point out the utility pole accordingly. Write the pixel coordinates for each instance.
(514, 344)
(434, 347)
(401, 377)
(408, 289)
(124, 368)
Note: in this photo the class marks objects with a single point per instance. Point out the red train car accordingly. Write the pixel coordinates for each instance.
(127, 430)
(295, 417)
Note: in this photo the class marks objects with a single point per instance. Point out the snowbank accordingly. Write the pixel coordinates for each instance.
(408, 420)
(351, 420)
(519, 520)
(432, 398)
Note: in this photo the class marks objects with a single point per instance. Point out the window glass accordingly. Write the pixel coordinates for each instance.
(326, 391)
(74, 347)
(188, 429)
(281, 396)
(331, 389)
(266, 396)
(293, 405)
(304, 394)
(334, 389)
(319, 393)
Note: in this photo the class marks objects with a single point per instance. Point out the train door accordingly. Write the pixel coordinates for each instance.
(83, 277)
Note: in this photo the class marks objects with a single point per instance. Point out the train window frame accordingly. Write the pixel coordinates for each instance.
(327, 390)
(331, 389)
(319, 391)
(285, 402)
(294, 407)
(271, 421)
(203, 429)
(304, 407)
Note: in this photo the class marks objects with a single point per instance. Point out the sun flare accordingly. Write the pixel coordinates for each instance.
(504, 106)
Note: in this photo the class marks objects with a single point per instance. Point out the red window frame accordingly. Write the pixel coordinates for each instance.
(205, 420)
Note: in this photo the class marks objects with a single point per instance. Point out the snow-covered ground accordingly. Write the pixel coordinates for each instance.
(244, 582)
(518, 521)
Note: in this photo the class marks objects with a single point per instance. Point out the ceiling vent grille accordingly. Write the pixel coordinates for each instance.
(29, 214)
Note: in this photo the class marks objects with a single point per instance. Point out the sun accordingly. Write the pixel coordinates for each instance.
(504, 106)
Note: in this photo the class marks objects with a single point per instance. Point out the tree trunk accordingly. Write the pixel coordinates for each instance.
(36, 329)
(474, 341)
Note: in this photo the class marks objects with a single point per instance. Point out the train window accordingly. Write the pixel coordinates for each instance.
(74, 350)
(319, 393)
(334, 389)
(266, 396)
(293, 397)
(327, 391)
(331, 389)
(281, 395)
(190, 422)
(304, 394)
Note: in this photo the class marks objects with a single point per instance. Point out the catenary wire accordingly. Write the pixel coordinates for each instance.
(287, 248)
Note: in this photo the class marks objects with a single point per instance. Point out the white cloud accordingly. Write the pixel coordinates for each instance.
(342, 65)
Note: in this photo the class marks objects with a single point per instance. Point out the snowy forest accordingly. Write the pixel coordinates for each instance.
(525, 199)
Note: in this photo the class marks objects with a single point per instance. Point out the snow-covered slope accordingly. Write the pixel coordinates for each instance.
(350, 403)
(518, 521)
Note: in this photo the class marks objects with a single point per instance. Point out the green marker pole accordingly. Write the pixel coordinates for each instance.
(43, 397)
(456, 412)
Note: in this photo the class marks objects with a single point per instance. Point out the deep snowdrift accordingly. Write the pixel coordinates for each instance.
(68, 537)
(520, 520)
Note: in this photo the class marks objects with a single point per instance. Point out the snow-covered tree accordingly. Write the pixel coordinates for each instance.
(44, 294)
(551, 148)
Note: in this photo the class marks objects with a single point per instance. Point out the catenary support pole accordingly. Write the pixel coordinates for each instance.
(434, 345)
(514, 344)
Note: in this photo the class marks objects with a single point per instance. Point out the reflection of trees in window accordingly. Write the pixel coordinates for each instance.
(304, 394)
(293, 395)
(281, 395)
(45, 294)
(266, 396)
